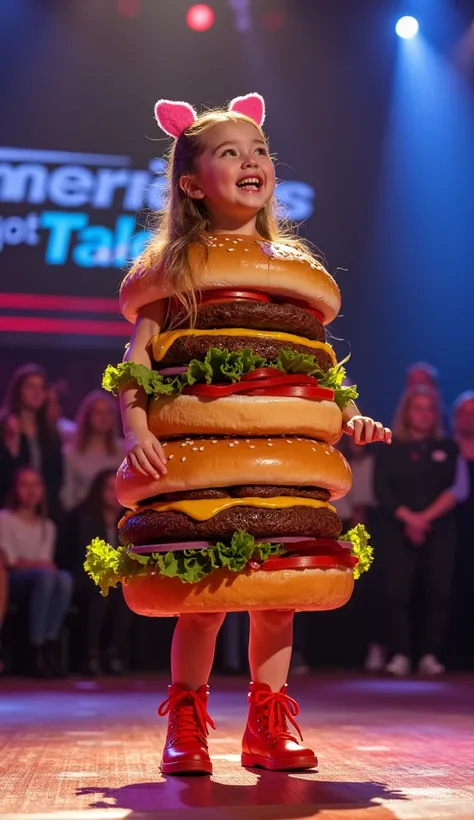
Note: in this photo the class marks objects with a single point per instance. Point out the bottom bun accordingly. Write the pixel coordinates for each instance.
(157, 596)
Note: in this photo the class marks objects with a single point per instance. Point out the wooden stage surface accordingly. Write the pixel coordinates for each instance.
(387, 749)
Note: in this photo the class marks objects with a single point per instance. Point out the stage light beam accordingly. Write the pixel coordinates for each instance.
(407, 27)
(200, 17)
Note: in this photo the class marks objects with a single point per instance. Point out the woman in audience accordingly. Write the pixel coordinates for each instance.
(419, 481)
(106, 621)
(3, 600)
(27, 437)
(27, 540)
(95, 447)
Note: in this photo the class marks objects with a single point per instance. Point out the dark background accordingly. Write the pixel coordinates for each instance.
(381, 128)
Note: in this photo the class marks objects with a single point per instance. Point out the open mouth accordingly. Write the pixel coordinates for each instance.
(250, 184)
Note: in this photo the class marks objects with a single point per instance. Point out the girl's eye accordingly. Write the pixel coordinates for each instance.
(231, 151)
(262, 151)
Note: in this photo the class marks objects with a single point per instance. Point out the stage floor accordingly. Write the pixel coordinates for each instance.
(387, 749)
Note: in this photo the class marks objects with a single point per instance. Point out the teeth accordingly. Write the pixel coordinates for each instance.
(249, 181)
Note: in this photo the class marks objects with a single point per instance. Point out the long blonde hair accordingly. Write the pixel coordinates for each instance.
(185, 221)
(83, 433)
(401, 429)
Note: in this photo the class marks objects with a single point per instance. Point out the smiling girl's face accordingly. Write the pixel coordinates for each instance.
(234, 174)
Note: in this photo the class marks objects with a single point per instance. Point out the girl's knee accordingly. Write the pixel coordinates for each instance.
(206, 621)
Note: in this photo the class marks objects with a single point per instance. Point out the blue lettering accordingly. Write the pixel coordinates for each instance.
(296, 199)
(61, 226)
(95, 248)
(138, 243)
(124, 229)
(70, 186)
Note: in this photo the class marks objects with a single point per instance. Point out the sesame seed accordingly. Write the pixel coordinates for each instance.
(165, 444)
(234, 241)
(231, 444)
(252, 446)
(226, 239)
(170, 456)
(240, 239)
(288, 441)
(313, 449)
(247, 441)
(236, 442)
(201, 449)
(269, 444)
(194, 449)
(184, 444)
(183, 458)
(246, 250)
(221, 244)
(214, 441)
(231, 250)
(189, 440)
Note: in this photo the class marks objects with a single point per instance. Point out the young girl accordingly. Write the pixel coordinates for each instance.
(210, 159)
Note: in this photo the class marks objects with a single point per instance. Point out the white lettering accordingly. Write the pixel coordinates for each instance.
(108, 182)
(70, 186)
(14, 183)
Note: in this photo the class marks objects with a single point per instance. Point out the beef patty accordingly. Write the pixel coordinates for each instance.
(248, 491)
(260, 316)
(196, 347)
(150, 527)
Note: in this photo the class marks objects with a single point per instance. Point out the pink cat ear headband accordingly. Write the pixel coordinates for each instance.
(175, 117)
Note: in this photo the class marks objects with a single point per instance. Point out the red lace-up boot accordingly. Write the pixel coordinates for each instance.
(186, 749)
(267, 741)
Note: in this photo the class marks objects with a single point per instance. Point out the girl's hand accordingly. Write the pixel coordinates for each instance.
(416, 536)
(367, 431)
(145, 454)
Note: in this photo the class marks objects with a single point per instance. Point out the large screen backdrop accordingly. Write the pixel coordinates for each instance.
(82, 169)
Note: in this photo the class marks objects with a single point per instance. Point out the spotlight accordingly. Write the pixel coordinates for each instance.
(200, 17)
(407, 27)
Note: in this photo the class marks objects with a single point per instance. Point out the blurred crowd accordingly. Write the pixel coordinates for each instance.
(57, 493)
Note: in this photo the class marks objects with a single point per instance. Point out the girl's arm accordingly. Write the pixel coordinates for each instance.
(144, 452)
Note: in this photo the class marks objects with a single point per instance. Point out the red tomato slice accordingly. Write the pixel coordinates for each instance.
(310, 562)
(261, 373)
(210, 297)
(296, 391)
(308, 308)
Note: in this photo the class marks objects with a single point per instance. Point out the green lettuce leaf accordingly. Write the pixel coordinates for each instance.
(359, 538)
(220, 365)
(107, 565)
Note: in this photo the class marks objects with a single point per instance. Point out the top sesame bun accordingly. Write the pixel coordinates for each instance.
(241, 262)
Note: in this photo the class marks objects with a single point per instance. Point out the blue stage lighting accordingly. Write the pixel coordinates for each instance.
(407, 27)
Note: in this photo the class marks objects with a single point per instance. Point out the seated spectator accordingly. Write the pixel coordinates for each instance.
(106, 621)
(27, 540)
(95, 447)
(27, 438)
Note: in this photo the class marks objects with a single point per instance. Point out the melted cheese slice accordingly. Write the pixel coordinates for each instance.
(162, 343)
(206, 508)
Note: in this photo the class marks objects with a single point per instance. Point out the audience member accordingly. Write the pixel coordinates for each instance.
(27, 539)
(422, 374)
(95, 447)
(105, 621)
(419, 480)
(26, 436)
